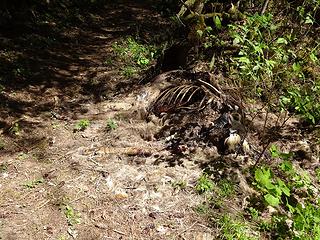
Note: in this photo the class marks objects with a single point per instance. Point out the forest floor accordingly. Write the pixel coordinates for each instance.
(113, 179)
(57, 183)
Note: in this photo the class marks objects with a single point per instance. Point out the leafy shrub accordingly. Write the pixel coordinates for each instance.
(111, 124)
(273, 188)
(306, 222)
(293, 192)
(82, 125)
(261, 52)
(305, 102)
(268, 66)
(235, 229)
(226, 188)
(204, 184)
(133, 52)
(72, 216)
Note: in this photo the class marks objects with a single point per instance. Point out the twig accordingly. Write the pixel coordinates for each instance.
(188, 228)
(262, 152)
(204, 226)
(42, 205)
(265, 123)
(187, 7)
(285, 119)
(122, 233)
(264, 8)
(90, 158)
(74, 179)
(76, 199)
(212, 62)
(15, 168)
(270, 139)
(179, 19)
(268, 142)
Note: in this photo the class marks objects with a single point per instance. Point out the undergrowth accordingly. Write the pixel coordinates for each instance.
(271, 56)
(232, 228)
(218, 197)
(277, 65)
(82, 125)
(286, 205)
(134, 55)
(294, 197)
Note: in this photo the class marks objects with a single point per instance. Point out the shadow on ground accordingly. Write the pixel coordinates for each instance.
(60, 64)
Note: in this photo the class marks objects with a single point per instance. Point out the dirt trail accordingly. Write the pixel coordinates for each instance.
(94, 184)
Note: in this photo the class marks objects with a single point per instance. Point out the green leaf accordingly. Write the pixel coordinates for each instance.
(204, 184)
(308, 20)
(217, 22)
(111, 124)
(258, 49)
(285, 100)
(208, 29)
(283, 187)
(241, 53)
(34, 183)
(291, 208)
(277, 191)
(256, 68)
(286, 166)
(200, 33)
(270, 185)
(143, 61)
(244, 60)
(274, 151)
(313, 57)
(271, 63)
(262, 176)
(272, 200)
(282, 41)
(296, 67)
(236, 41)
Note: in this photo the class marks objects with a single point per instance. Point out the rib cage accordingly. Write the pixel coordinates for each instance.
(187, 96)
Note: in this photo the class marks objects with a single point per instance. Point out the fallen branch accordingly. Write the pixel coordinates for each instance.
(264, 8)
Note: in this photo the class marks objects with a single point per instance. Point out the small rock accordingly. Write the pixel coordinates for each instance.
(155, 195)
(72, 232)
(5, 175)
(161, 229)
(156, 208)
(109, 182)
